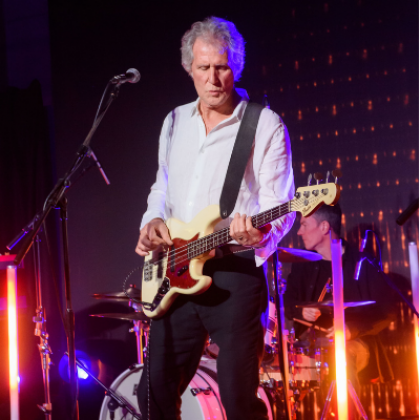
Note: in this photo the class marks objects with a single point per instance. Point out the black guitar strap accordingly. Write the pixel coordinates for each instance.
(239, 158)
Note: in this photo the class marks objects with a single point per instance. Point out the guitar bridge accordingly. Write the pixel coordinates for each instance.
(164, 288)
(161, 292)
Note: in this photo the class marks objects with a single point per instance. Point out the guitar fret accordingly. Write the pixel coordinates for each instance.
(221, 237)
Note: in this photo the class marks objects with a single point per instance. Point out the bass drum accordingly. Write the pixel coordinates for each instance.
(200, 401)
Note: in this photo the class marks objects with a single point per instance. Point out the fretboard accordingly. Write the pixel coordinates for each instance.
(222, 237)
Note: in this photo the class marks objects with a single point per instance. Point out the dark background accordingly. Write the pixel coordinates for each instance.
(343, 75)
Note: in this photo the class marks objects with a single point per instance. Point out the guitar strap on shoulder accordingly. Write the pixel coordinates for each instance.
(239, 158)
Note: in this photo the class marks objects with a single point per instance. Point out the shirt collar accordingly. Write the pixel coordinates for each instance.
(238, 111)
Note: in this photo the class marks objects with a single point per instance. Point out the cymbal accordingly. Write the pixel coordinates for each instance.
(291, 255)
(133, 292)
(132, 316)
(330, 304)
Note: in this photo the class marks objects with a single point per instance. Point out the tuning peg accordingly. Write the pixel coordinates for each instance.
(319, 177)
(327, 179)
(309, 179)
(265, 102)
(336, 173)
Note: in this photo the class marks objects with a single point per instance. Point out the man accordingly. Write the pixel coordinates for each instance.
(306, 282)
(194, 151)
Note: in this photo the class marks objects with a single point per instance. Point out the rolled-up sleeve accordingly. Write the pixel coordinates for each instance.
(157, 195)
(275, 178)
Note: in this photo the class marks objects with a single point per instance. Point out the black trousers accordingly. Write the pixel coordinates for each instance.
(231, 311)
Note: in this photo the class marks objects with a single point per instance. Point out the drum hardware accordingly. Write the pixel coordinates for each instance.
(330, 304)
(353, 395)
(309, 324)
(270, 339)
(140, 320)
(282, 351)
(40, 318)
(133, 316)
(280, 384)
(132, 291)
(212, 349)
(292, 255)
(196, 391)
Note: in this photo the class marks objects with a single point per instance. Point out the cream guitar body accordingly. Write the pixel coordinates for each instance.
(179, 270)
(186, 278)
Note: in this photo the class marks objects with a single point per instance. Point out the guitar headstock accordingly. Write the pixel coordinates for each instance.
(308, 199)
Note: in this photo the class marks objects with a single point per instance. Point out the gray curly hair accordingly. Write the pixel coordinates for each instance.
(215, 30)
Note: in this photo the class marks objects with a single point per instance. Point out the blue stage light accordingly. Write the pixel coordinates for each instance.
(63, 366)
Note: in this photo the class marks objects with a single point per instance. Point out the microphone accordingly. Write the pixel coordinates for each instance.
(360, 262)
(130, 76)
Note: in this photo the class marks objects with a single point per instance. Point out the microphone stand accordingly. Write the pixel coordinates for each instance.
(58, 199)
(115, 400)
(375, 263)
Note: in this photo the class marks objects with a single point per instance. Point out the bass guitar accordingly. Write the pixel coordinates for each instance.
(179, 269)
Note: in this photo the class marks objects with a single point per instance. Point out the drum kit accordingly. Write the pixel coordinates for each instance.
(288, 371)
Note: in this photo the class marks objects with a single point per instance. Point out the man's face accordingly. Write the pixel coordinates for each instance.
(212, 76)
(311, 232)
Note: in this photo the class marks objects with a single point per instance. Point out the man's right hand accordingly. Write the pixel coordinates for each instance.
(153, 235)
(311, 314)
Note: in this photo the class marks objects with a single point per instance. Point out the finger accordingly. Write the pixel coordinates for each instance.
(232, 227)
(141, 253)
(145, 244)
(248, 225)
(238, 228)
(140, 250)
(242, 230)
(156, 239)
(164, 232)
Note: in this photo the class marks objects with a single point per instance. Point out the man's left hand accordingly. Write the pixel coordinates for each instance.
(245, 234)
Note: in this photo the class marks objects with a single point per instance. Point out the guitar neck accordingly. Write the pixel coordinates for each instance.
(222, 237)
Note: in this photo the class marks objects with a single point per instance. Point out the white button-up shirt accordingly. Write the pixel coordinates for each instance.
(193, 166)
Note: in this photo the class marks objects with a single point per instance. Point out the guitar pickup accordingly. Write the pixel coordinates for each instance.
(182, 270)
(172, 258)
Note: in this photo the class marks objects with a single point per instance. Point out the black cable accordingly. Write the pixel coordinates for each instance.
(100, 103)
(125, 284)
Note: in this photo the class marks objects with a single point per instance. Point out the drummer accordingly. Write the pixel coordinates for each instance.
(366, 356)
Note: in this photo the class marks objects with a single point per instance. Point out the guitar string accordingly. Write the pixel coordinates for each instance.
(282, 209)
(201, 244)
(200, 248)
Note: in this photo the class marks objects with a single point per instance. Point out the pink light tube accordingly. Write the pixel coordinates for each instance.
(13, 347)
(339, 330)
(413, 254)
